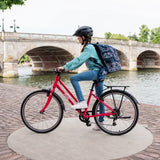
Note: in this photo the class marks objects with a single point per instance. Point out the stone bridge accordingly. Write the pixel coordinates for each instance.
(49, 51)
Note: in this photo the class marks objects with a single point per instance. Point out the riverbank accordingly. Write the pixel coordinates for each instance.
(11, 97)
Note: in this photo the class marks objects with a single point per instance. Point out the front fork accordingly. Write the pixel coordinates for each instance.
(50, 94)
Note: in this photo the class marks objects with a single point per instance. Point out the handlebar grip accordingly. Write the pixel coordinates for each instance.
(56, 70)
(62, 70)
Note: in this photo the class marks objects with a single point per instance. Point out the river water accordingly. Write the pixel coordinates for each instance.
(144, 84)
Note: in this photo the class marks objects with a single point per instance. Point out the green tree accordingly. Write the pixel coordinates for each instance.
(144, 33)
(5, 4)
(155, 35)
(134, 37)
(24, 58)
(119, 37)
(115, 36)
(108, 35)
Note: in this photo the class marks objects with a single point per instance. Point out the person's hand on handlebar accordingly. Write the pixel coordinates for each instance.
(60, 69)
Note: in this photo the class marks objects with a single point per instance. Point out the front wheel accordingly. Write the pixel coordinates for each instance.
(124, 105)
(41, 122)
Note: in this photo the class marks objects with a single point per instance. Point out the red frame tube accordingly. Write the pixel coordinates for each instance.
(65, 94)
(68, 91)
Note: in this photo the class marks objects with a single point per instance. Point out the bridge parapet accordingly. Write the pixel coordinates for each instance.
(126, 42)
(9, 36)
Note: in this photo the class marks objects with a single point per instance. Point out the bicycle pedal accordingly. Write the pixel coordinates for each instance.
(114, 123)
(88, 124)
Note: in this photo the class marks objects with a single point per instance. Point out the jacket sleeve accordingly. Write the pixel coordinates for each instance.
(78, 61)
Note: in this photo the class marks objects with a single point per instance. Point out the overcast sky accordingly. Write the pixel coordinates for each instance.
(64, 16)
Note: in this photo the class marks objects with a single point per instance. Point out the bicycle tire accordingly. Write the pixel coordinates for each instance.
(127, 115)
(46, 121)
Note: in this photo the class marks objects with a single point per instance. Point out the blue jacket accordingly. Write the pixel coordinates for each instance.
(89, 52)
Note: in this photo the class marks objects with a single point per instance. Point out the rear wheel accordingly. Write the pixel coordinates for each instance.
(125, 107)
(41, 122)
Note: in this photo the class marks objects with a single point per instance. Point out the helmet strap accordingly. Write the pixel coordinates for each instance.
(83, 40)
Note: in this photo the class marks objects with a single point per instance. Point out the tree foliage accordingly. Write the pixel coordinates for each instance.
(134, 37)
(115, 36)
(144, 33)
(155, 35)
(5, 4)
(108, 35)
(24, 58)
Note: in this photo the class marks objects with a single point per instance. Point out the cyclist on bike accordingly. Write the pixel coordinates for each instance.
(88, 53)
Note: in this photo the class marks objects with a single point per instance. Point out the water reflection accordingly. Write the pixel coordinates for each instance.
(144, 84)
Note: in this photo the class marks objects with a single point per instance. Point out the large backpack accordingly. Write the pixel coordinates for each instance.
(108, 56)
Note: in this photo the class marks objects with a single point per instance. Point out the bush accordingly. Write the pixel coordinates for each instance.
(24, 58)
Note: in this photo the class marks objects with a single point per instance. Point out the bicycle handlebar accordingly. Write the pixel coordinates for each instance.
(56, 71)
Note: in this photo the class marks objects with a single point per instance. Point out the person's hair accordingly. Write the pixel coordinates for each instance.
(86, 41)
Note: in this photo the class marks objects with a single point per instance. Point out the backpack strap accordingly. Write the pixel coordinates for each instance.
(98, 52)
(95, 61)
(100, 57)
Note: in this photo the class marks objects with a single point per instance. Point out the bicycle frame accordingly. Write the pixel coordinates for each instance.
(56, 85)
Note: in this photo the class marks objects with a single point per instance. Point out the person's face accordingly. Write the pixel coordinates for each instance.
(80, 39)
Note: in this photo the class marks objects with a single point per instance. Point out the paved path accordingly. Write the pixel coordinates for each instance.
(72, 140)
(10, 100)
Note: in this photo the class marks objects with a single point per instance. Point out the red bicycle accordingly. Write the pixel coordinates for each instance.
(42, 110)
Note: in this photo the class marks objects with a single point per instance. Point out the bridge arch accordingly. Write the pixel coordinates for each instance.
(45, 58)
(148, 59)
(124, 59)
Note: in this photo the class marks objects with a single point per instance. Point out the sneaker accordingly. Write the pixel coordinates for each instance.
(79, 105)
(96, 128)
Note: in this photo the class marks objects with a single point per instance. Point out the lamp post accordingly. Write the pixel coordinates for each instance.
(3, 25)
(129, 36)
(14, 26)
(132, 37)
(2, 36)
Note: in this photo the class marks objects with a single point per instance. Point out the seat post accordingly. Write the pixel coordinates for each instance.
(93, 84)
